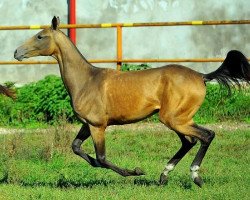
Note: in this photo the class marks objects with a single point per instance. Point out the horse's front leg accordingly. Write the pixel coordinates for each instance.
(97, 134)
(82, 135)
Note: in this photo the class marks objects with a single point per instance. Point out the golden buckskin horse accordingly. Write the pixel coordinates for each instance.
(101, 97)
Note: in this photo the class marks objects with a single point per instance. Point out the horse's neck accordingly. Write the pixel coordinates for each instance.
(75, 70)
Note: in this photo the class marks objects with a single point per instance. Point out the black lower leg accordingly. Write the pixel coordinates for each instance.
(206, 138)
(82, 135)
(99, 143)
(186, 146)
(76, 147)
(123, 172)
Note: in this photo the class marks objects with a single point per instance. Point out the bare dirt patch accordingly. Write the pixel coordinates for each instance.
(227, 126)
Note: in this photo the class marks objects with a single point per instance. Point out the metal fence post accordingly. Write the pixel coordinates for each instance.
(119, 47)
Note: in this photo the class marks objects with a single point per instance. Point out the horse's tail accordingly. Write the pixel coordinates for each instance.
(7, 91)
(233, 70)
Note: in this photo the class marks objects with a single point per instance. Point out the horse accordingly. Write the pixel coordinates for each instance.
(101, 97)
(7, 92)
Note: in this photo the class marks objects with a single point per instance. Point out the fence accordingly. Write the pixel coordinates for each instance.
(119, 58)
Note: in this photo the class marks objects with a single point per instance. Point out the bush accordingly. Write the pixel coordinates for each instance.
(129, 67)
(218, 106)
(44, 101)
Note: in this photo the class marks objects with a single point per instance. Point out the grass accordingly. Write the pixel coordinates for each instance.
(40, 165)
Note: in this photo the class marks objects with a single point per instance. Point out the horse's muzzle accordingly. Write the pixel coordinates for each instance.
(19, 55)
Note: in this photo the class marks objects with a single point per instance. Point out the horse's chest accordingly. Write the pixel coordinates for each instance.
(90, 111)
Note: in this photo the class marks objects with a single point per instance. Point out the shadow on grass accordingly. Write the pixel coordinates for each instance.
(146, 182)
(178, 181)
(64, 182)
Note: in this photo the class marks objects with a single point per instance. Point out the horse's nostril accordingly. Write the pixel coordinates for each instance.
(17, 55)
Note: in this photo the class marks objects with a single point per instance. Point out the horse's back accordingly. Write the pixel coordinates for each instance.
(134, 95)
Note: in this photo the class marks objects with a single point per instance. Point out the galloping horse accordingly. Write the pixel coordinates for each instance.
(7, 92)
(101, 97)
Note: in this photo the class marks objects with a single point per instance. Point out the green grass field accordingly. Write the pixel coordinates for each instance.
(39, 164)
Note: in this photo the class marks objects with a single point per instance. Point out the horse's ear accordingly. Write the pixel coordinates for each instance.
(55, 22)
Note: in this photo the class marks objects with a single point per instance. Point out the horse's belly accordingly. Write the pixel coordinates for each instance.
(123, 115)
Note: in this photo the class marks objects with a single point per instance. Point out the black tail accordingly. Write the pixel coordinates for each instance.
(233, 70)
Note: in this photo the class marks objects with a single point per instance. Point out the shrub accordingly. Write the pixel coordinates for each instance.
(218, 106)
(129, 67)
(44, 101)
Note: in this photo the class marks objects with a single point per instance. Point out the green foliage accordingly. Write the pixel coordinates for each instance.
(129, 67)
(218, 106)
(45, 101)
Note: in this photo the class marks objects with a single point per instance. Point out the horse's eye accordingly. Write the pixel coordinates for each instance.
(39, 37)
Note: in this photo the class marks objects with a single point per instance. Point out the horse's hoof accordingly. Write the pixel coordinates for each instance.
(138, 172)
(198, 181)
(163, 179)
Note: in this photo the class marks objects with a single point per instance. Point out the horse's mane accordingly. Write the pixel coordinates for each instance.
(73, 46)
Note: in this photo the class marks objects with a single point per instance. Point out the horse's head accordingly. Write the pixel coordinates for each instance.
(41, 44)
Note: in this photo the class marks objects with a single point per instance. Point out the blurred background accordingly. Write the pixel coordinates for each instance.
(140, 42)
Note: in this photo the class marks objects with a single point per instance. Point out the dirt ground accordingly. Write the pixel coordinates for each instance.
(229, 126)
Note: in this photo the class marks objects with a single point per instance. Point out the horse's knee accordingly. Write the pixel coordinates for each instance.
(76, 149)
(76, 146)
(190, 140)
(206, 135)
(210, 137)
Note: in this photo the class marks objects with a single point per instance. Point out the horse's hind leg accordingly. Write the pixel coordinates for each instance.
(205, 136)
(82, 135)
(187, 144)
(99, 143)
(188, 130)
